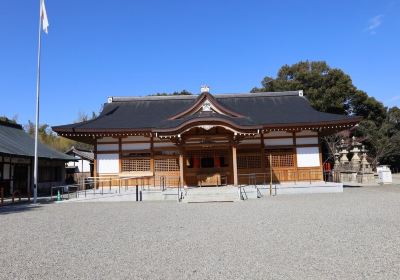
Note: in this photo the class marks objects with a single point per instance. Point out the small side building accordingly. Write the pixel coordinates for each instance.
(83, 166)
(17, 158)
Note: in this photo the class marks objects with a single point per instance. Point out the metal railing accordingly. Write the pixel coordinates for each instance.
(253, 182)
(163, 182)
(242, 193)
(67, 189)
(108, 185)
(111, 185)
(15, 196)
(102, 182)
(279, 176)
(180, 193)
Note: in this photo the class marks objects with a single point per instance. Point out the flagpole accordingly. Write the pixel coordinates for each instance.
(36, 162)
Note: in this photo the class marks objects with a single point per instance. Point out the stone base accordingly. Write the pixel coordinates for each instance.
(366, 178)
(348, 177)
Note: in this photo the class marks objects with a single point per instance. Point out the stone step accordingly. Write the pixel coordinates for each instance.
(152, 195)
(210, 194)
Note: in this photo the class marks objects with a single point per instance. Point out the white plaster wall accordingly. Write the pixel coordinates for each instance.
(72, 163)
(107, 163)
(107, 147)
(278, 142)
(307, 140)
(308, 157)
(81, 164)
(85, 164)
(136, 146)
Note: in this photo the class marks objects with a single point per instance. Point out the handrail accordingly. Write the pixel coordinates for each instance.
(291, 176)
(259, 194)
(179, 190)
(243, 193)
(73, 186)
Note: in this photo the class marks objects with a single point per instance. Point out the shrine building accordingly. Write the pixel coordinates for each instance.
(209, 140)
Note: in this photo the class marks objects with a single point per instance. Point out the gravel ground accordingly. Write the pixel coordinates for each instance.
(353, 235)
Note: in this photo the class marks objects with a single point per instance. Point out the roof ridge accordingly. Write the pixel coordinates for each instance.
(12, 125)
(194, 96)
(260, 94)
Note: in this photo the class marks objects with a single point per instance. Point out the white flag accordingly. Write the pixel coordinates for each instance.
(43, 17)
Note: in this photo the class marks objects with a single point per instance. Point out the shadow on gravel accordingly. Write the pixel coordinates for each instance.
(18, 208)
(352, 186)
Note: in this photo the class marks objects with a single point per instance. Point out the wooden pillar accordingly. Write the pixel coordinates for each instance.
(12, 175)
(321, 162)
(95, 174)
(152, 163)
(95, 163)
(152, 168)
(120, 154)
(181, 168)
(263, 165)
(296, 169)
(234, 165)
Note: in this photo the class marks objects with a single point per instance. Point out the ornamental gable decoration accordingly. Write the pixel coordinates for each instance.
(206, 103)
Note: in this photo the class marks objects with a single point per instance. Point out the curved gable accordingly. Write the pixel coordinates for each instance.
(206, 103)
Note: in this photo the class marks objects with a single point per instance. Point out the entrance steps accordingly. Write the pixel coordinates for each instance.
(205, 194)
(211, 194)
(153, 195)
(302, 188)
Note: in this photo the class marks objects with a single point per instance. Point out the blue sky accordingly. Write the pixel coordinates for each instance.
(96, 49)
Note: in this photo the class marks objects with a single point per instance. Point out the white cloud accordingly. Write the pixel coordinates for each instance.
(374, 23)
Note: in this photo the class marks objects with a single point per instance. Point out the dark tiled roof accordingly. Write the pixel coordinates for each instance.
(157, 112)
(88, 155)
(15, 141)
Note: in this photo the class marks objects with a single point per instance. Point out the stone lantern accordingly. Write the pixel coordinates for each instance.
(365, 175)
(337, 162)
(343, 152)
(355, 160)
(365, 165)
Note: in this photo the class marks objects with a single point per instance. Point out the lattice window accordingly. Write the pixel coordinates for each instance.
(280, 158)
(165, 165)
(248, 161)
(137, 164)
